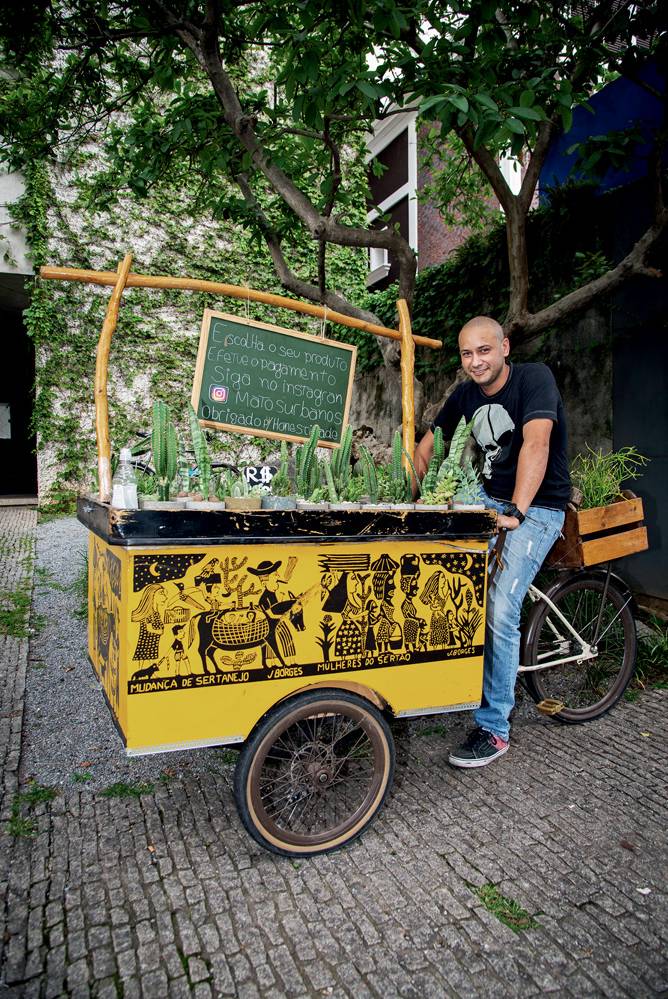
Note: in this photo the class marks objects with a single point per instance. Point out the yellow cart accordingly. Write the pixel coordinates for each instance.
(296, 635)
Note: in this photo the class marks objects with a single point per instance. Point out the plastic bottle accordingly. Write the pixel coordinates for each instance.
(124, 484)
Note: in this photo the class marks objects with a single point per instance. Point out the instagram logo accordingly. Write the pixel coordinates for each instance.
(218, 393)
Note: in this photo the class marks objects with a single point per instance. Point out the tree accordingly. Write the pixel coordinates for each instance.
(271, 96)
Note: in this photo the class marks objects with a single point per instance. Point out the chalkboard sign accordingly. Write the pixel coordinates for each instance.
(254, 378)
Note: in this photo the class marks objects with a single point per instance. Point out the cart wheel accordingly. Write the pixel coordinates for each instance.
(583, 691)
(314, 773)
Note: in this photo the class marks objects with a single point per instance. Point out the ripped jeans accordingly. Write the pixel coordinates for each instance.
(523, 554)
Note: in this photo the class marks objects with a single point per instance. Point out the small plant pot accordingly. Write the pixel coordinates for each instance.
(243, 504)
(377, 507)
(467, 506)
(279, 503)
(303, 504)
(205, 505)
(145, 498)
(163, 505)
(402, 506)
(345, 506)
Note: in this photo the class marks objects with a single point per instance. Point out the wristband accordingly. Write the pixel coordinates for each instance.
(513, 511)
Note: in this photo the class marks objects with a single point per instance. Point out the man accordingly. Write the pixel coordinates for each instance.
(518, 421)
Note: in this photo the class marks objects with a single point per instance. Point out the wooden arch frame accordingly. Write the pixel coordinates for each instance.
(122, 278)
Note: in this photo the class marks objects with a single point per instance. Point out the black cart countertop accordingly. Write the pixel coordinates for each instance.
(134, 528)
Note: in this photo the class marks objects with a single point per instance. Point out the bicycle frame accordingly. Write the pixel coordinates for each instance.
(588, 650)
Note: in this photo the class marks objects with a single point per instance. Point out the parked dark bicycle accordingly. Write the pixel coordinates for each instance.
(579, 643)
(141, 460)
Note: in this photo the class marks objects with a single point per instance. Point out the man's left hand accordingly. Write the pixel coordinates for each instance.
(507, 523)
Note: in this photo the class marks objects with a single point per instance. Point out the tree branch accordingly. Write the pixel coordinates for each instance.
(289, 280)
(535, 164)
(490, 168)
(633, 265)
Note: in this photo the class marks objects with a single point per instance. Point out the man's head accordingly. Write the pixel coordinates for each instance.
(483, 348)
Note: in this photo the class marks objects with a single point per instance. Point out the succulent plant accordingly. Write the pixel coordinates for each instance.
(468, 487)
(308, 467)
(280, 484)
(429, 480)
(165, 451)
(369, 474)
(201, 450)
(331, 485)
(340, 460)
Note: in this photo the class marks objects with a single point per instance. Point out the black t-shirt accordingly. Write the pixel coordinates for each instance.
(530, 393)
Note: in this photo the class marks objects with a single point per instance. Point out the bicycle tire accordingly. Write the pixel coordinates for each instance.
(314, 773)
(590, 688)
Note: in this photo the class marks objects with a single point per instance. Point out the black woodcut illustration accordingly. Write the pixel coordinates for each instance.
(106, 594)
(215, 615)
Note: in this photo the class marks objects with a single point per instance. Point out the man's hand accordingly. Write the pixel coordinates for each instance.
(507, 523)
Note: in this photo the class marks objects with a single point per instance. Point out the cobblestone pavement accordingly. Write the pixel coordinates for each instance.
(165, 895)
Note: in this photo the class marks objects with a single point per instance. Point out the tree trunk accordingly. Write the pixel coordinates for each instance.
(518, 264)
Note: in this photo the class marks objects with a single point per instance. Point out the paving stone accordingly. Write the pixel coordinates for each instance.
(86, 909)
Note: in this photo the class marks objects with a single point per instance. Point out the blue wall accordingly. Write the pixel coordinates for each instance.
(620, 105)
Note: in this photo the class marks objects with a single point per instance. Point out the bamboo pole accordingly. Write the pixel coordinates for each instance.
(101, 376)
(407, 373)
(232, 291)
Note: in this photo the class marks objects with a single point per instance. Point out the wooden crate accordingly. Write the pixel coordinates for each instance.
(600, 534)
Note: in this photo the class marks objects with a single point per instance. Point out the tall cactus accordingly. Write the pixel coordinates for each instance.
(400, 486)
(280, 484)
(340, 460)
(429, 481)
(165, 451)
(308, 469)
(201, 450)
(331, 487)
(369, 473)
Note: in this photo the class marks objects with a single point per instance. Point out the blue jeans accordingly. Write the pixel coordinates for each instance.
(523, 554)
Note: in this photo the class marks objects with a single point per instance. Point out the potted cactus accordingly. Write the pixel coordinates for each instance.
(282, 492)
(309, 472)
(165, 454)
(369, 475)
(444, 475)
(395, 483)
(237, 494)
(201, 449)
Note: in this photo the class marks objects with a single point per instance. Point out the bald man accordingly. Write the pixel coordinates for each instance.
(518, 422)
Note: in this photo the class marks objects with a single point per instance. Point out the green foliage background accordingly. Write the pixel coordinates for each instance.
(154, 347)
(565, 240)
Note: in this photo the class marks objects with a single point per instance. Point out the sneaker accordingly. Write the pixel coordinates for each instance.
(478, 749)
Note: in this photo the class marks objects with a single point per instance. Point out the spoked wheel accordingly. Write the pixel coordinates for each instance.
(314, 773)
(588, 689)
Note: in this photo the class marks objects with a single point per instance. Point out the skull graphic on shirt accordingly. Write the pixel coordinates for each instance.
(493, 430)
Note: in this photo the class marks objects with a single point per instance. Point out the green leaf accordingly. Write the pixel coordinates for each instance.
(459, 102)
(514, 125)
(486, 101)
(431, 102)
(526, 114)
(369, 89)
(566, 119)
(527, 98)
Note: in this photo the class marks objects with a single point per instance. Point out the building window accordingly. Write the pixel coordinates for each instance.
(393, 144)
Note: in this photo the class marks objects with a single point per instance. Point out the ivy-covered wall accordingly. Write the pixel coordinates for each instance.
(155, 345)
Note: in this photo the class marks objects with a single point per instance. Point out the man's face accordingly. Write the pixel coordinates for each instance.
(483, 355)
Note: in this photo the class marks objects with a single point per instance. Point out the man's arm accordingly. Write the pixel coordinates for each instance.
(531, 466)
